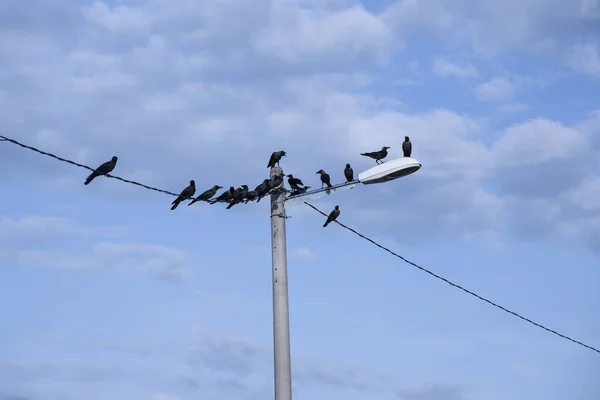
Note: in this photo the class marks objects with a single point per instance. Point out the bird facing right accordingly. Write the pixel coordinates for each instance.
(332, 216)
(104, 169)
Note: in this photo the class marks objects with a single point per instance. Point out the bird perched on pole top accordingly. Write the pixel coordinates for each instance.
(332, 216)
(206, 195)
(186, 193)
(325, 179)
(407, 147)
(377, 155)
(349, 173)
(104, 169)
(275, 158)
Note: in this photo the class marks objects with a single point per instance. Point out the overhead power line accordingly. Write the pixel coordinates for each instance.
(4, 138)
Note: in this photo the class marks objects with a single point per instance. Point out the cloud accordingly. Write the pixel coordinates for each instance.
(302, 253)
(23, 240)
(434, 392)
(586, 58)
(496, 89)
(29, 372)
(445, 68)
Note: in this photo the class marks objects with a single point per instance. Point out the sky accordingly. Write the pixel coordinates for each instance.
(107, 293)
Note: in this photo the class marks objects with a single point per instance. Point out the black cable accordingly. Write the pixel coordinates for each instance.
(454, 284)
(5, 139)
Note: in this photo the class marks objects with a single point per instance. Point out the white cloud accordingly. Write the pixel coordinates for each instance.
(586, 58)
(496, 89)
(302, 253)
(22, 242)
(445, 68)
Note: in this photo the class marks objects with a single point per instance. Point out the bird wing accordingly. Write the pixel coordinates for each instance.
(105, 168)
(272, 160)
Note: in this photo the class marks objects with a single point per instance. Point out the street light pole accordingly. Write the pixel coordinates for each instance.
(281, 314)
(384, 172)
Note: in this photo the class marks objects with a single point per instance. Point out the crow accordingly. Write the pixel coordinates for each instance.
(185, 194)
(349, 173)
(325, 179)
(206, 195)
(262, 190)
(407, 147)
(238, 196)
(332, 216)
(377, 155)
(250, 196)
(275, 157)
(104, 169)
(223, 197)
(295, 183)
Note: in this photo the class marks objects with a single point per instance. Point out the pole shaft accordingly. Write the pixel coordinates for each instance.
(281, 316)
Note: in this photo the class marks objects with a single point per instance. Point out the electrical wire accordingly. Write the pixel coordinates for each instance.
(4, 138)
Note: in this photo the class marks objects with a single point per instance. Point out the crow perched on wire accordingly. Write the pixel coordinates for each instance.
(325, 179)
(275, 158)
(206, 195)
(262, 189)
(349, 173)
(185, 194)
(377, 155)
(250, 196)
(223, 197)
(295, 183)
(104, 169)
(239, 196)
(332, 216)
(303, 190)
(407, 147)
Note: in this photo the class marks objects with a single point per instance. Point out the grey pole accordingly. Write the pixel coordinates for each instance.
(281, 314)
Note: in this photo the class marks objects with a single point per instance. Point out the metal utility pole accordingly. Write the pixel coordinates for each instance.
(281, 313)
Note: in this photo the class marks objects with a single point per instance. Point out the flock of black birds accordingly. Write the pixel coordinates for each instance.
(244, 195)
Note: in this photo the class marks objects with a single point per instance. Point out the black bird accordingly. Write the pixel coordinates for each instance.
(332, 216)
(325, 179)
(275, 157)
(185, 194)
(223, 197)
(303, 190)
(250, 196)
(407, 147)
(262, 189)
(275, 181)
(239, 195)
(104, 169)
(349, 173)
(295, 183)
(206, 195)
(377, 155)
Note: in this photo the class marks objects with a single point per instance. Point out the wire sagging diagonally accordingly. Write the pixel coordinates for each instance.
(456, 285)
(6, 139)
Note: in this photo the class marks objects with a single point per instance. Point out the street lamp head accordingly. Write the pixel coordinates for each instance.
(390, 170)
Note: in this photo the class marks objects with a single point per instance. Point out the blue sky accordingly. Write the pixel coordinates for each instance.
(106, 293)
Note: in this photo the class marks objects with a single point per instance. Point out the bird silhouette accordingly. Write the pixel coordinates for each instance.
(332, 216)
(349, 173)
(377, 155)
(185, 194)
(407, 147)
(325, 179)
(275, 158)
(104, 169)
(206, 195)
